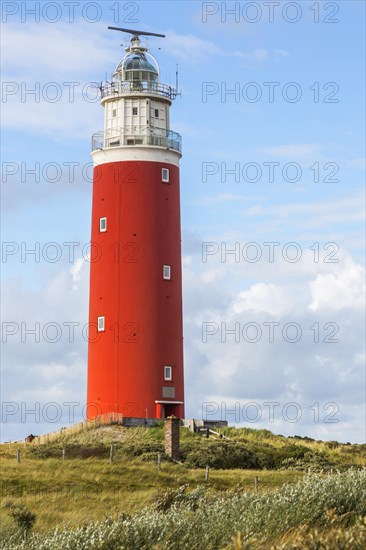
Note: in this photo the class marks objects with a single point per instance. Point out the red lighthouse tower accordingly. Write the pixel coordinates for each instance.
(135, 354)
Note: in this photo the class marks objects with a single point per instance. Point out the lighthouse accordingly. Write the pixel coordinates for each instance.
(135, 344)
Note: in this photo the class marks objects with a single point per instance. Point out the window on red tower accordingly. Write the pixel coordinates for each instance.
(168, 373)
(102, 225)
(165, 175)
(101, 324)
(167, 272)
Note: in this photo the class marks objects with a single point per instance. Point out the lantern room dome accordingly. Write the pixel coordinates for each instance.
(139, 66)
(138, 61)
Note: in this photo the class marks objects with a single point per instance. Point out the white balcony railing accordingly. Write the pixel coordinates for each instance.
(143, 135)
(135, 87)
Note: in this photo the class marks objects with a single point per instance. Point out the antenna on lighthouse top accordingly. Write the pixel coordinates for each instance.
(136, 33)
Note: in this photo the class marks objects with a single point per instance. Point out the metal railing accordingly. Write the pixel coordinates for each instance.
(138, 136)
(137, 87)
(98, 140)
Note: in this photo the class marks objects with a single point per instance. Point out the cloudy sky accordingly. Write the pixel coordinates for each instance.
(272, 196)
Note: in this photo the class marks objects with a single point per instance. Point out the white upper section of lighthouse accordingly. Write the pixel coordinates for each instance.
(137, 104)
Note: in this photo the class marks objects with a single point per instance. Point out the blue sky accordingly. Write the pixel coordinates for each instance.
(323, 62)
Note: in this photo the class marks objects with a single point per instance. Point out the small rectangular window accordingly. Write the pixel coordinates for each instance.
(114, 112)
(156, 113)
(165, 175)
(134, 110)
(168, 373)
(167, 272)
(100, 324)
(102, 225)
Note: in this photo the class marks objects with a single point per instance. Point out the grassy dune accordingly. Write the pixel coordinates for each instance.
(86, 488)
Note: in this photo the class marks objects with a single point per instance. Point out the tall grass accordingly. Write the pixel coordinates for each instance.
(75, 491)
(199, 520)
(85, 488)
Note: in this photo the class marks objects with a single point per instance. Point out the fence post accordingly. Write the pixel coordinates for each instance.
(256, 482)
(18, 456)
(111, 453)
(159, 461)
(207, 473)
(63, 453)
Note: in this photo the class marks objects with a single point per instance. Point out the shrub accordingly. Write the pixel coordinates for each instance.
(166, 498)
(315, 462)
(23, 517)
(220, 454)
(72, 451)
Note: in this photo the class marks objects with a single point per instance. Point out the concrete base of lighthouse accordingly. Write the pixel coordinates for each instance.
(195, 425)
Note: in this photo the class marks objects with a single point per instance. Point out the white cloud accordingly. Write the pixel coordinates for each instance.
(260, 54)
(345, 289)
(55, 51)
(186, 260)
(228, 368)
(189, 48)
(221, 369)
(58, 63)
(282, 53)
(349, 208)
(256, 210)
(194, 50)
(360, 359)
(213, 275)
(77, 119)
(224, 197)
(297, 151)
(61, 299)
(76, 271)
(266, 298)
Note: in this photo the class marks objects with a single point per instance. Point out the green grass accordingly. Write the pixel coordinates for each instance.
(86, 488)
(319, 507)
(76, 491)
(246, 448)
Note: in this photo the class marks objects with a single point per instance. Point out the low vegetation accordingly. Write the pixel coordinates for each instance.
(234, 519)
(307, 491)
